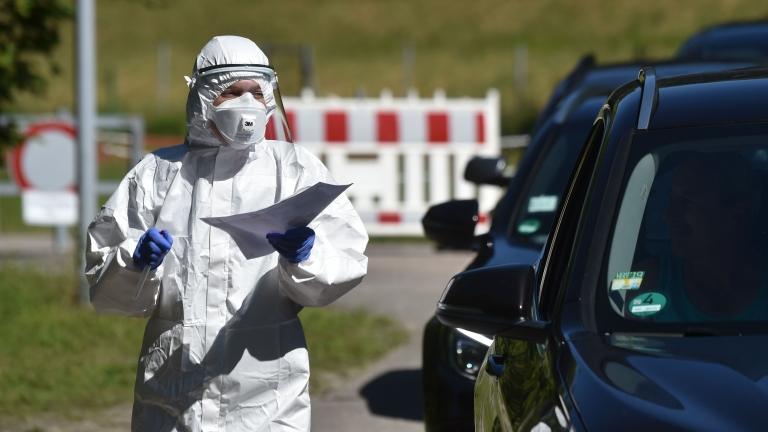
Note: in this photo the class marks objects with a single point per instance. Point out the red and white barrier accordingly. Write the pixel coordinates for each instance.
(402, 154)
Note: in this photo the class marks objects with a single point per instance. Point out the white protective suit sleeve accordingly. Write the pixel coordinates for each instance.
(337, 262)
(111, 239)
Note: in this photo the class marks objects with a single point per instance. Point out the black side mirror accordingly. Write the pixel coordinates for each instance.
(493, 301)
(487, 171)
(452, 224)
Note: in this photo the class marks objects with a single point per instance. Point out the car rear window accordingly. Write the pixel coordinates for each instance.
(540, 200)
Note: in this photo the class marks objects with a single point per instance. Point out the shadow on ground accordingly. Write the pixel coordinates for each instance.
(395, 394)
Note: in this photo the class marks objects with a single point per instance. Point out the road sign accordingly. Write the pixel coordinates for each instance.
(48, 208)
(43, 167)
(45, 160)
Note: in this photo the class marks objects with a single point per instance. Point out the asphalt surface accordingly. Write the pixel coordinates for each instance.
(404, 282)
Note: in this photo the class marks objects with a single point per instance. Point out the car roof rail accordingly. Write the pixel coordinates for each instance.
(586, 62)
(649, 98)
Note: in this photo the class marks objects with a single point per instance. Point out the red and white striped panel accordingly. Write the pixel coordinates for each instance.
(348, 126)
(398, 217)
(273, 131)
(402, 154)
(405, 222)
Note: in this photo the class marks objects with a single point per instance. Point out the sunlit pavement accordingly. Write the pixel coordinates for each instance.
(35, 249)
(27, 246)
(404, 282)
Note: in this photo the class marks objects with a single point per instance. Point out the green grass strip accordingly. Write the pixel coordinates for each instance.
(63, 359)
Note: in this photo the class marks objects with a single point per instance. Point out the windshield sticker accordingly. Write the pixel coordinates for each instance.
(542, 204)
(528, 226)
(627, 281)
(647, 304)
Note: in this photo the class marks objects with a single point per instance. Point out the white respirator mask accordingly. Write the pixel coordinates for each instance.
(241, 122)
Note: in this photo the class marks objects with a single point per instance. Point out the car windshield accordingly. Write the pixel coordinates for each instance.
(539, 202)
(689, 242)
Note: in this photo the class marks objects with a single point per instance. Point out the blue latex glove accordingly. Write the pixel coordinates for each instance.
(152, 247)
(295, 245)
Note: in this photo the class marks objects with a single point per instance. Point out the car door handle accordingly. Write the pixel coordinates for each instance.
(495, 365)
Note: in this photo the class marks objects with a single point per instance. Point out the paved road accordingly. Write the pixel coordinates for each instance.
(404, 282)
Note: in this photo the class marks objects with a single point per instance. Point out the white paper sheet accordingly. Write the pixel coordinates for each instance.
(249, 230)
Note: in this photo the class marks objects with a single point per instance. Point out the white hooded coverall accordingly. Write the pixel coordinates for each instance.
(223, 348)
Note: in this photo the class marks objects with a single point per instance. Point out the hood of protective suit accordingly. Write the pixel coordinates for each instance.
(223, 61)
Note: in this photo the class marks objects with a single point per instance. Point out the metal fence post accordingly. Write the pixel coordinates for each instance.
(307, 65)
(85, 83)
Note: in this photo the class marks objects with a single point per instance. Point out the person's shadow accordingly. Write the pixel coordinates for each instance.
(396, 393)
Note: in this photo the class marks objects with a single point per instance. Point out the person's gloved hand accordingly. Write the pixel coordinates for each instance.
(295, 245)
(152, 247)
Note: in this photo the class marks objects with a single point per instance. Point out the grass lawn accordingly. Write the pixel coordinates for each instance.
(62, 359)
(358, 46)
(11, 220)
(344, 341)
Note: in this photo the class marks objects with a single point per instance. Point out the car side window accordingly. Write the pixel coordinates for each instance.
(557, 252)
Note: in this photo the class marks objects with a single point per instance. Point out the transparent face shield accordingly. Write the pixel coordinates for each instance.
(282, 129)
(214, 80)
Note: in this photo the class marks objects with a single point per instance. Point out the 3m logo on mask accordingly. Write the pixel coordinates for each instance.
(249, 124)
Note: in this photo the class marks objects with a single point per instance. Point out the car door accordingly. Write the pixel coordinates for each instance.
(518, 388)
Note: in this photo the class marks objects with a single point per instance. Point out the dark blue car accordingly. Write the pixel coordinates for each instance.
(520, 226)
(649, 307)
(736, 41)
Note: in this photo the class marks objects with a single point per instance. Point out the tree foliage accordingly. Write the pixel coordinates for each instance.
(29, 31)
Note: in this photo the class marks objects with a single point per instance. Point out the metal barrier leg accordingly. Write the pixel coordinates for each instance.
(61, 241)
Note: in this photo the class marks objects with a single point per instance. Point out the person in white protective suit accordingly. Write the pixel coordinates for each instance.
(223, 348)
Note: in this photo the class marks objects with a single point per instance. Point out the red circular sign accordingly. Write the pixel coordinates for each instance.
(45, 160)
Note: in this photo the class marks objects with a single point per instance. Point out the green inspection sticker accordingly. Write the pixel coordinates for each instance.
(627, 281)
(528, 226)
(647, 304)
